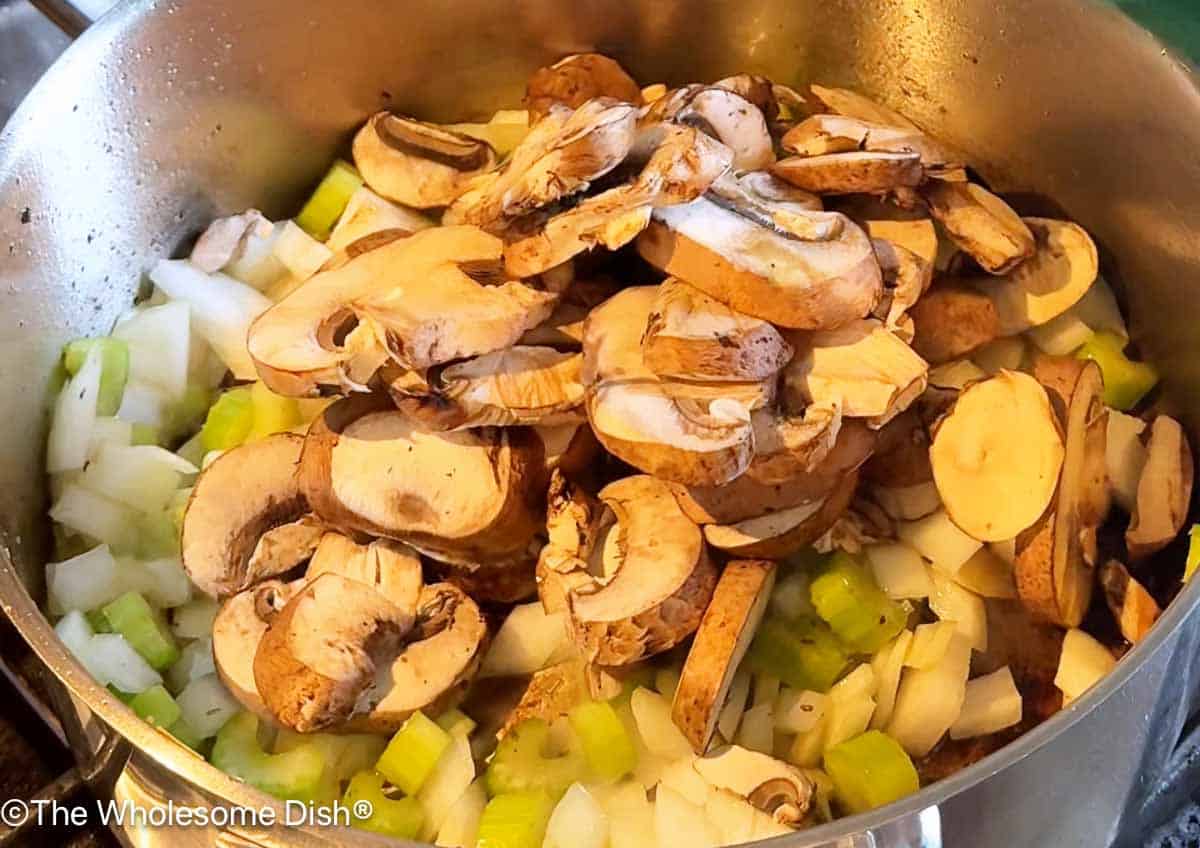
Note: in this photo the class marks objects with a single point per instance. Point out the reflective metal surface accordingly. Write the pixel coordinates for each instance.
(167, 113)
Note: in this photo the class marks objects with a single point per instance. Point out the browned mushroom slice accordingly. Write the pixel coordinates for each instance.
(574, 80)
(368, 214)
(458, 496)
(951, 321)
(431, 672)
(859, 172)
(494, 584)
(1131, 605)
(764, 187)
(575, 522)
(1056, 557)
(906, 276)
(918, 236)
(649, 578)
(787, 445)
(778, 789)
(728, 626)
(862, 367)
(1000, 436)
(692, 336)
(285, 546)
(759, 266)
(392, 569)
(563, 153)
(1060, 271)
(1164, 490)
(226, 238)
(237, 631)
(819, 135)
(245, 493)
(899, 476)
(418, 164)
(318, 662)
(571, 447)
(851, 104)
(980, 223)
(728, 117)
(519, 385)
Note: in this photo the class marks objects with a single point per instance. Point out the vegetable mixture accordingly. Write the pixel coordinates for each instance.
(644, 467)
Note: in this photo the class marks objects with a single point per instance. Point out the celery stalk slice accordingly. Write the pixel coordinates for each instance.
(515, 820)
(521, 764)
(398, 817)
(856, 609)
(413, 752)
(609, 751)
(144, 628)
(229, 421)
(1193, 554)
(272, 413)
(156, 706)
(1126, 381)
(114, 369)
(297, 774)
(803, 652)
(869, 771)
(329, 201)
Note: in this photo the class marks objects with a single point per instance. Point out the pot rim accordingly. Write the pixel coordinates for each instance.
(35, 628)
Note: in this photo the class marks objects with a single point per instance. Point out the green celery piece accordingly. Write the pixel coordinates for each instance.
(183, 731)
(1193, 554)
(515, 820)
(98, 621)
(187, 413)
(157, 535)
(123, 697)
(156, 706)
(412, 753)
(329, 201)
(144, 628)
(398, 817)
(145, 434)
(297, 774)
(114, 369)
(803, 653)
(520, 763)
(869, 771)
(846, 596)
(272, 413)
(609, 751)
(229, 421)
(456, 722)
(1126, 382)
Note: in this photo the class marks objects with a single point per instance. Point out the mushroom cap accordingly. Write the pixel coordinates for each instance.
(980, 223)
(725, 115)
(953, 320)
(857, 172)
(286, 546)
(767, 783)
(245, 493)
(432, 670)
(463, 495)
(657, 577)
(391, 568)
(318, 661)
(1134, 609)
(724, 636)
(415, 163)
(1164, 490)
(237, 631)
(762, 272)
(576, 79)
(918, 236)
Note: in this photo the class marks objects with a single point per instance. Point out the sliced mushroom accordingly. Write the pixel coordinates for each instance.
(692, 336)
(851, 104)
(1056, 557)
(552, 692)
(226, 237)
(724, 636)
(414, 299)
(563, 153)
(757, 89)
(1001, 436)
(515, 386)
(700, 395)
(860, 172)
(390, 568)
(862, 367)
(318, 662)
(788, 445)
(237, 631)
(1060, 271)
(432, 671)
(245, 493)
(763, 187)
(461, 496)
(574, 80)
(782, 533)
(918, 236)
(489, 583)
(906, 276)
(418, 164)
(980, 223)
(953, 320)
(1164, 491)
(683, 164)
(367, 214)
(575, 522)
(824, 278)
(648, 580)
(1131, 605)
(820, 135)
(776, 788)
(285, 546)
(725, 115)
(570, 447)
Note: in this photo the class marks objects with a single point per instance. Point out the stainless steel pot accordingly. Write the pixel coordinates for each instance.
(166, 113)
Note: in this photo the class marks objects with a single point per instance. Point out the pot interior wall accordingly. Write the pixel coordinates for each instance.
(168, 113)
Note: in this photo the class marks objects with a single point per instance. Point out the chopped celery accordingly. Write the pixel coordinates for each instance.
(1126, 381)
(803, 653)
(186, 413)
(98, 621)
(144, 434)
(157, 535)
(456, 723)
(869, 771)
(857, 610)
(143, 628)
(297, 774)
(522, 764)
(229, 421)
(515, 820)
(114, 369)
(1193, 554)
(156, 706)
(606, 744)
(272, 413)
(398, 817)
(184, 732)
(329, 201)
(412, 753)
(121, 695)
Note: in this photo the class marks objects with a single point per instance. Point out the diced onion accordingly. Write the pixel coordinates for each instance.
(528, 640)
(207, 705)
(74, 417)
(159, 339)
(939, 540)
(900, 571)
(951, 602)
(1082, 663)
(798, 711)
(992, 703)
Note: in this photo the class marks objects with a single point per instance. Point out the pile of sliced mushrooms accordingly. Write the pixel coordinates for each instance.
(671, 337)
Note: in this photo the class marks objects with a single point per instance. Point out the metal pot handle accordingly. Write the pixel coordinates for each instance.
(65, 15)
